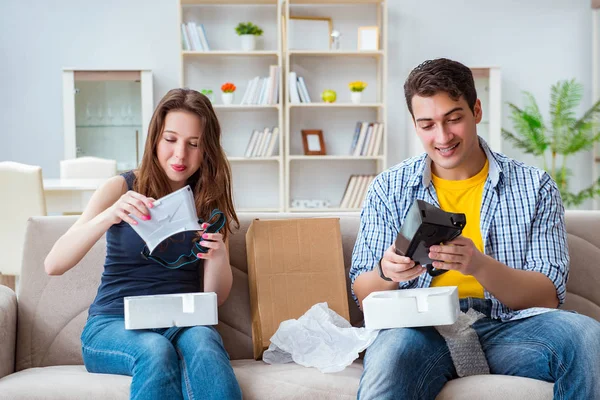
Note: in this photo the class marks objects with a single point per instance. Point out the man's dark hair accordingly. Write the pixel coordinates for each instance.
(440, 75)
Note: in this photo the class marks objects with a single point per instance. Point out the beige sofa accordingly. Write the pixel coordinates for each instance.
(40, 355)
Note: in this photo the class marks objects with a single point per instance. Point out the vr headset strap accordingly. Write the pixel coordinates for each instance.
(185, 259)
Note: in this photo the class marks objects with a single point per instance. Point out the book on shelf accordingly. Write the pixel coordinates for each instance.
(297, 89)
(262, 143)
(194, 37)
(263, 90)
(356, 190)
(367, 139)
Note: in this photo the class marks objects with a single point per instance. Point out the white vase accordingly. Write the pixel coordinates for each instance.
(227, 98)
(355, 97)
(248, 42)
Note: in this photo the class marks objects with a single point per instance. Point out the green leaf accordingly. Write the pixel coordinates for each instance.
(529, 128)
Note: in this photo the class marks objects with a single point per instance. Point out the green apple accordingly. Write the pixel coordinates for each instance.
(328, 96)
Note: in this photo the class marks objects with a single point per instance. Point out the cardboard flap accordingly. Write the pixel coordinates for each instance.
(292, 265)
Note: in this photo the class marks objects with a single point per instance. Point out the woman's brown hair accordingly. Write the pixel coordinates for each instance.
(211, 184)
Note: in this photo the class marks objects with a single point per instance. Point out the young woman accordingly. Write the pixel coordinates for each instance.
(183, 148)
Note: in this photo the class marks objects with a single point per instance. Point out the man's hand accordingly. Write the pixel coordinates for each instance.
(459, 255)
(399, 268)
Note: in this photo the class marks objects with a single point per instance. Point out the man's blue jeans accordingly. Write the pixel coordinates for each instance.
(559, 346)
(173, 363)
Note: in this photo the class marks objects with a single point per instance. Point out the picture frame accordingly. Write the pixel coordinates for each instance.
(368, 38)
(313, 142)
(309, 33)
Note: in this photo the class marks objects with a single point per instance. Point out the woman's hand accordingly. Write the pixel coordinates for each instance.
(130, 203)
(214, 243)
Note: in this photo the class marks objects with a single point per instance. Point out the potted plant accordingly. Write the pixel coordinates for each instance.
(227, 90)
(563, 135)
(356, 89)
(208, 93)
(248, 32)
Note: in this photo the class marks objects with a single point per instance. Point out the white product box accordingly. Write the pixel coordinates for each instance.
(166, 310)
(411, 307)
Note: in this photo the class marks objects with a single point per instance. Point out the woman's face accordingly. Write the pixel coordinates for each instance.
(178, 149)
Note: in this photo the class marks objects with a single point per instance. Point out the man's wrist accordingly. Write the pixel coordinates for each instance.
(380, 270)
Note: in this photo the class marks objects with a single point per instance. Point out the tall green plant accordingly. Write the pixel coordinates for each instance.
(562, 136)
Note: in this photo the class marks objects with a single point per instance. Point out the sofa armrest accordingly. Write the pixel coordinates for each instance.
(8, 330)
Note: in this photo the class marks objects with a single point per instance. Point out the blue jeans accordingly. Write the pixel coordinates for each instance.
(170, 363)
(560, 347)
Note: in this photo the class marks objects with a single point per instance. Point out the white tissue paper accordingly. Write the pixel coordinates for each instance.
(320, 338)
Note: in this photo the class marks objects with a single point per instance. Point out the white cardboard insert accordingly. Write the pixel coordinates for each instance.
(166, 310)
(411, 307)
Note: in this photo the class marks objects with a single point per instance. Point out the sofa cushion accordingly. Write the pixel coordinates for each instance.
(62, 383)
(259, 381)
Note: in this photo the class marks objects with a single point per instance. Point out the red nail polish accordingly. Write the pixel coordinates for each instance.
(205, 235)
(151, 205)
(199, 255)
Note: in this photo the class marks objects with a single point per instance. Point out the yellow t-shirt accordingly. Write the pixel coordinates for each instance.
(464, 197)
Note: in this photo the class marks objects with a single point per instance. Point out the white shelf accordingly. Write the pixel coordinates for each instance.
(236, 53)
(337, 53)
(253, 159)
(258, 182)
(333, 158)
(334, 69)
(327, 2)
(212, 2)
(257, 210)
(326, 209)
(246, 106)
(335, 105)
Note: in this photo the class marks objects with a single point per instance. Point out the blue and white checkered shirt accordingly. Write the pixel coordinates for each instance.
(522, 221)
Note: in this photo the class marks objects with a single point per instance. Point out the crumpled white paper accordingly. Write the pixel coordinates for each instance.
(320, 338)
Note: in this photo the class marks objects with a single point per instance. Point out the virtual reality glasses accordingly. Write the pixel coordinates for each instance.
(425, 226)
(173, 214)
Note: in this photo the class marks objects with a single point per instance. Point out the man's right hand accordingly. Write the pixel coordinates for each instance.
(399, 268)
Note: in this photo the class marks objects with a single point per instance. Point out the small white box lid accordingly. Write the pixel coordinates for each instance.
(411, 307)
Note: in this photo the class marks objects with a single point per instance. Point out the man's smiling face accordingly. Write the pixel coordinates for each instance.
(448, 130)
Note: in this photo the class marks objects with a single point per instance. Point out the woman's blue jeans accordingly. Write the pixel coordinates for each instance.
(560, 347)
(170, 363)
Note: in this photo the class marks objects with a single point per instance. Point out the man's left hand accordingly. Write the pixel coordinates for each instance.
(459, 255)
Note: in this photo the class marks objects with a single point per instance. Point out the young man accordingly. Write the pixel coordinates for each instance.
(510, 264)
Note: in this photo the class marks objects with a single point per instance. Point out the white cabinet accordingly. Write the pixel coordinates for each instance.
(106, 114)
(489, 91)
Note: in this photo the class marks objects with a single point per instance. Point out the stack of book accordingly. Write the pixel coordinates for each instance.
(356, 190)
(262, 143)
(193, 37)
(298, 91)
(263, 90)
(367, 139)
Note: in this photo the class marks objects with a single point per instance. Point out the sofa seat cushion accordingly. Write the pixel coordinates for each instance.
(64, 382)
(292, 381)
(496, 387)
(261, 381)
(258, 381)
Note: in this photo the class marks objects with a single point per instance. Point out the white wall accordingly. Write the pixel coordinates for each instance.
(535, 42)
(39, 38)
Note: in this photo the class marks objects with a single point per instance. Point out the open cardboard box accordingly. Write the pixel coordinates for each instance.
(411, 307)
(292, 265)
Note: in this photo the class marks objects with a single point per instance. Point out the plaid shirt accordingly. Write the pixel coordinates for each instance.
(522, 221)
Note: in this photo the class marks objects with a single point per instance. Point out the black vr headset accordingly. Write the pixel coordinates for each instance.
(426, 226)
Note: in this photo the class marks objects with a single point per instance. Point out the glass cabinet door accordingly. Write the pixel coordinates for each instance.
(107, 115)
